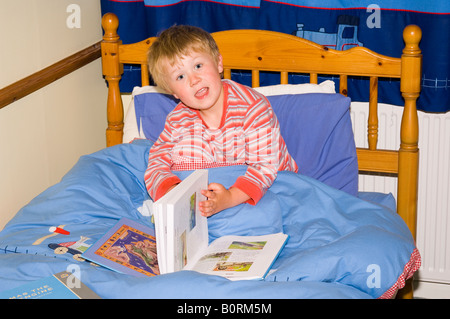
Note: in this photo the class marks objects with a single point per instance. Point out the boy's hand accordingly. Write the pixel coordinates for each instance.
(220, 198)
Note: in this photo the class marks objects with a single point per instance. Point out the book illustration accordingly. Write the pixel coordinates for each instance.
(218, 256)
(221, 258)
(247, 245)
(192, 210)
(183, 237)
(183, 249)
(236, 266)
(128, 247)
(133, 249)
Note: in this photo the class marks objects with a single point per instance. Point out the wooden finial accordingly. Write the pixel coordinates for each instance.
(110, 23)
(411, 62)
(412, 35)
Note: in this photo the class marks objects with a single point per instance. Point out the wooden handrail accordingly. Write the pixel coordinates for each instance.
(38, 80)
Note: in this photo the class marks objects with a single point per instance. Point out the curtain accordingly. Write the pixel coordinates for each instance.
(338, 24)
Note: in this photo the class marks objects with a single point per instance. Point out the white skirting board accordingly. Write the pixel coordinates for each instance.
(431, 290)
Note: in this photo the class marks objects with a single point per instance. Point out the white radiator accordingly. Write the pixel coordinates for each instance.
(433, 216)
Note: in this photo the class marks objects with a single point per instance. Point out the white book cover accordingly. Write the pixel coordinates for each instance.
(181, 230)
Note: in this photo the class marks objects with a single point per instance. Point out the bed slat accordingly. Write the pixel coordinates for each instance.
(227, 74)
(145, 76)
(255, 78)
(372, 126)
(343, 84)
(284, 77)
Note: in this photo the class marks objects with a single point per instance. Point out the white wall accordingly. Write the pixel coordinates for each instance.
(44, 134)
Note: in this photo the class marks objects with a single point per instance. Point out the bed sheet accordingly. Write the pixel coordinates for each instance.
(340, 246)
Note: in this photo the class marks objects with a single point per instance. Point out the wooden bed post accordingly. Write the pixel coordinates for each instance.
(112, 70)
(409, 150)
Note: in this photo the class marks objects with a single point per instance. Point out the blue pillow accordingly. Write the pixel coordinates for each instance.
(316, 127)
(151, 111)
(318, 133)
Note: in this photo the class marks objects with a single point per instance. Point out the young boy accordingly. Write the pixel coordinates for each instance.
(217, 123)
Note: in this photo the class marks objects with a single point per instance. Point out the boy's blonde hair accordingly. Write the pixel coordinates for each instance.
(174, 42)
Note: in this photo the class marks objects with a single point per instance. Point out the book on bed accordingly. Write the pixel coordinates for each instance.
(182, 238)
(63, 285)
(129, 247)
(181, 230)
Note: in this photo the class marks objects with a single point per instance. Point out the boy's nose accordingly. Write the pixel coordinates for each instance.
(194, 79)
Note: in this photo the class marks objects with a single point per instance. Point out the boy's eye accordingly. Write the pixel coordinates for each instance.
(198, 66)
(180, 77)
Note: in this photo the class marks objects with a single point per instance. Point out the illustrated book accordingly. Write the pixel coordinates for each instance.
(63, 285)
(128, 247)
(183, 243)
(181, 230)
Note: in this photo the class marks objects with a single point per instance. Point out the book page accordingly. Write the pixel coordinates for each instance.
(187, 229)
(160, 217)
(240, 257)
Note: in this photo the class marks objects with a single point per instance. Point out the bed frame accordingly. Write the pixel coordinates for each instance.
(273, 51)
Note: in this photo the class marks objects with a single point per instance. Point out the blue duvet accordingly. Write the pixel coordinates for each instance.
(340, 246)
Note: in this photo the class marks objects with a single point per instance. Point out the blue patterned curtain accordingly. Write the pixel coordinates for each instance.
(339, 24)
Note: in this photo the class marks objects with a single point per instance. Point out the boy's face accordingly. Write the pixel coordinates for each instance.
(195, 80)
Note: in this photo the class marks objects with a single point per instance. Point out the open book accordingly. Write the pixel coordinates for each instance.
(181, 230)
(182, 238)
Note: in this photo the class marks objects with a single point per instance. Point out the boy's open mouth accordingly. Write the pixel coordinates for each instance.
(202, 93)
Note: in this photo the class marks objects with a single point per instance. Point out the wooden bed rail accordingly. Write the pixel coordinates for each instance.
(38, 80)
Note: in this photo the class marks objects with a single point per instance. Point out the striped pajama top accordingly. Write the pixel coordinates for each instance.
(249, 134)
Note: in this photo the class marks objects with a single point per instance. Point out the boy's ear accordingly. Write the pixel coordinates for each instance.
(220, 63)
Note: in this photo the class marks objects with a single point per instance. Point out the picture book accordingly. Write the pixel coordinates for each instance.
(182, 238)
(63, 285)
(181, 230)
(180, 241)
(128, 247)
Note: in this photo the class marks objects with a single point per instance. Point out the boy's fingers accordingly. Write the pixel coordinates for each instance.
(208, 193)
